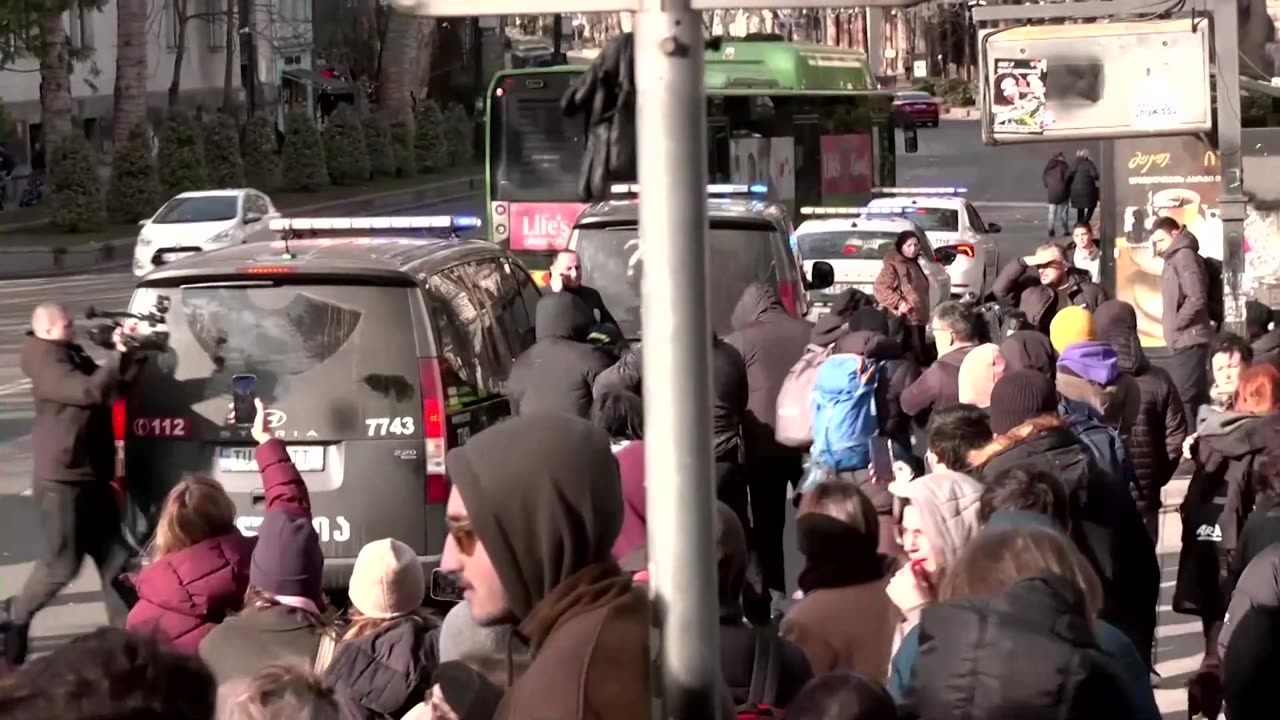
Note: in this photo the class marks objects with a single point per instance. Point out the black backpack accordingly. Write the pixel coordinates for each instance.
(1217, 291)
(764, 679)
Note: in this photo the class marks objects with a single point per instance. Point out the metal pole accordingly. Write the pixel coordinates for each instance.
(1226, 34)
(671, 136)
(557, 31)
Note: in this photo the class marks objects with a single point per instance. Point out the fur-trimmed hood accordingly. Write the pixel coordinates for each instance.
(1042, 443)
(979, 457)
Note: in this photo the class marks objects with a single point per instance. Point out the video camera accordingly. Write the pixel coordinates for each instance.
(101, 335)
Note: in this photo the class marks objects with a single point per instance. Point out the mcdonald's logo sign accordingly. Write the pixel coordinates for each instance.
(1210, 159)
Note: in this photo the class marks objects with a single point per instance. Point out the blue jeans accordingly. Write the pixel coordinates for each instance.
(1058, 218)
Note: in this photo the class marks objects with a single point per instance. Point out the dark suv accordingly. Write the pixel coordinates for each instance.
(373, 355)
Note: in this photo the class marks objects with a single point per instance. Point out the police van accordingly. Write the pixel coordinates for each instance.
(376, 343)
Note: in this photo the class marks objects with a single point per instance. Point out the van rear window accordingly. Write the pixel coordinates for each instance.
(326, 357)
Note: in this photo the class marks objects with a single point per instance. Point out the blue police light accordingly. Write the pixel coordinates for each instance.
(758, 189)
(466, 221)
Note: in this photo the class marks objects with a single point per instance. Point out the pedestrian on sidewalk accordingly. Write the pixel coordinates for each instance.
(1188, 329)
(1083, 252)
(1057, 192)
(1083, 181)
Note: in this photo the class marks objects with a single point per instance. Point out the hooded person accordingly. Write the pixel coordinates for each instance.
(869, 337)
(462, 637)
(979, 371)
(556, 374)
(1089, 373)
(738, 639)
(1029, 350)
(386, 659)
(770, 342)
(1154, 438)
(831, 326)
(1105, 525)
(531, 542)
(845, 620)
(1261, 331)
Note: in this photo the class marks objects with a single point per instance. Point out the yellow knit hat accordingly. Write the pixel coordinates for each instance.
(1070, 326)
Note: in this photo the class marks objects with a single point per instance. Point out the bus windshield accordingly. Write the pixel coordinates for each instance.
(536, 152)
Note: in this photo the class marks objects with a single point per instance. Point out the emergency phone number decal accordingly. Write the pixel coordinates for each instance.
(167, 427)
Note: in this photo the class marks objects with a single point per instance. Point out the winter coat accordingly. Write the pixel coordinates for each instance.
(944, 681)
(1267, 348)
(1184, 290)
(594, 305)
(1029, 350)
(770, 342)
(1106, 526)
(1083, 181)
(1088, 372)
(937, 387)
(903, 280)
(835, 324)
(556, 374)
(1251, 664)
(382, 675)
(1154, 438)
(1055, 181)
(71, 438)
(183, 596)
(1016, 287)
(846, 628)
(1261, 530)
(605, 97)
(897, 373)
(1258, 587)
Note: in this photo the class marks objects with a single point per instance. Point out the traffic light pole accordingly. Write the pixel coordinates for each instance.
(1226, 36)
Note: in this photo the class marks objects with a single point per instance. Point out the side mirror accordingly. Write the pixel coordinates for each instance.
(143, 223)
(821, 276)
(994, 227)
(910, 140)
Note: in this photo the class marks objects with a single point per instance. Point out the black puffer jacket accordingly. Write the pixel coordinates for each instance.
(1083, 180)
(1267, 348)
(605, 96)
(556, 374)
(1106, 525)
(1029, 653)
(770, 342)
(1154, 438)
(1248, 641)
(897, 373)
(380, 676)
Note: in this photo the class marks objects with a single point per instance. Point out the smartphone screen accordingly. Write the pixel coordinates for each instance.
(242, 397)
(445, 586)
(882, 460)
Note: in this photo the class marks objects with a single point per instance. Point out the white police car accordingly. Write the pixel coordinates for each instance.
(961, 240)
(855, 240)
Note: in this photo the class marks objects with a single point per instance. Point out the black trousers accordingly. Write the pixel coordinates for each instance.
(1085, 215)
(78, 519)
(1189, 369)
(768, 479)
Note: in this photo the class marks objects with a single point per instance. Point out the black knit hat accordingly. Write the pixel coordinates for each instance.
(287, 559)
(469, 694)
(869, 319)
(1019, 396)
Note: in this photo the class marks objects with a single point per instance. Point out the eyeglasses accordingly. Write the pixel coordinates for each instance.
(464, 536)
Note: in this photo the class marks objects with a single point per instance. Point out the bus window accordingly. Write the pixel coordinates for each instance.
(538, 151)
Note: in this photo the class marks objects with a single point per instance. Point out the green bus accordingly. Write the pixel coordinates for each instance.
(806, 120)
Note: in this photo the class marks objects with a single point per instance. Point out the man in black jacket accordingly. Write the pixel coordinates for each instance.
(74, 456)
(1056, 286)
(770, 342)
(557, 373)
(1056, 194)
(566, 277)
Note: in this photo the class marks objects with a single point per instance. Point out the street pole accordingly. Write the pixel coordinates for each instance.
(1226, 34)
(557, 31)
(671, 135)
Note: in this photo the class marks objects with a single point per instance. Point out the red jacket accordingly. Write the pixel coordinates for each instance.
(183, 595)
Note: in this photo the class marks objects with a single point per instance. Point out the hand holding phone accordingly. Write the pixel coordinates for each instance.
(445, 586)
(243, 395)
(881, 461)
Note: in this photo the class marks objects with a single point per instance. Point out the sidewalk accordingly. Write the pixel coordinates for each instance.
(1179, 643)
(26, 261)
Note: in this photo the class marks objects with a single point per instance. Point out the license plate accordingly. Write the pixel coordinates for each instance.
(170, 256)
(922, 107)
(307, 458)
(840, 287)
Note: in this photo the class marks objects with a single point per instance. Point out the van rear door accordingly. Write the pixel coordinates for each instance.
(337, 364)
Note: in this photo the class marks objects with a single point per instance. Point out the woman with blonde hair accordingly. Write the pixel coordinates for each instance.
(199, 566)
(1057, 592)
(281, 692)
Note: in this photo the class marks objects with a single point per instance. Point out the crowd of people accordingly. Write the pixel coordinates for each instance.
(998, 560)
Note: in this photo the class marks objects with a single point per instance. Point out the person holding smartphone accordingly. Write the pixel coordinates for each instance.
(566, 276)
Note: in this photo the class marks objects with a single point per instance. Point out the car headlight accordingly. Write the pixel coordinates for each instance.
(143, 240)
(225, 236)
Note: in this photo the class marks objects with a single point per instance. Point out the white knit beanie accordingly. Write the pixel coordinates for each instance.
(387, 580)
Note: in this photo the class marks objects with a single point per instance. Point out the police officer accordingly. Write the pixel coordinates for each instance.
(74, 456)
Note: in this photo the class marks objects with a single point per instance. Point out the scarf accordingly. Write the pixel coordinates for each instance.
(836, 555)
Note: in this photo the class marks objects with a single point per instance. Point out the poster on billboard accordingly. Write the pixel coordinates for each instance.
(782, 169)
(1018, 97)
(542, 227)
(846, 169)
(1177, 177)
(749, 160)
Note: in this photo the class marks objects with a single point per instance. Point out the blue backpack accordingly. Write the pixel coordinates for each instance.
(844, 412)
(1104, 443)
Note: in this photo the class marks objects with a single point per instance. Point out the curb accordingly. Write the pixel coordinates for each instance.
(36, 262)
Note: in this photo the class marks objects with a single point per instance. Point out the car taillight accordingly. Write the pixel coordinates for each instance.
(437, 487)
(119, 423)
(787, 294)
(966, 250)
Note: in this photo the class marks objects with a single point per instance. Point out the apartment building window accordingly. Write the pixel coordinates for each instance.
(217, 13)
(80, 28)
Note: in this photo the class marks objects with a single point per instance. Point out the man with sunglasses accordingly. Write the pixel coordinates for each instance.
(535, 508)
(1054, 286)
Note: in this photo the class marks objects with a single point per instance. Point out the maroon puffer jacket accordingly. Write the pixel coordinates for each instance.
(184, 595)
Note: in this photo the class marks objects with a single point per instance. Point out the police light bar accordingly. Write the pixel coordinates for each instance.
(713, 189)
(427, 222)
(858, 211)
(919, 190)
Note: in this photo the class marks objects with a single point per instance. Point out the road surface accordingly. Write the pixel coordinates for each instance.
(1004, 183)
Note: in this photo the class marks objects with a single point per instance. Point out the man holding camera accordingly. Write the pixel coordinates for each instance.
(74, 456)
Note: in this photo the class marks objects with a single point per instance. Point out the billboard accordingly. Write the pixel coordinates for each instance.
(1175, 176)
(1096, 80)
(542, 226)
(847, 174)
